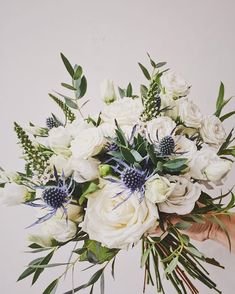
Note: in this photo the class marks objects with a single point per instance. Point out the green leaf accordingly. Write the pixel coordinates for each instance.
(195, 252)
(143, 91)
(51, 289)
(30, 270)
(89, 187)
(145, 71)
(127, 155)
(70, 103)
(122, 92)
(145, 256)
(102, 284)
(121, 137)
(171, 266)
(67, 86)
(227, 115)
(77, 73)
(129, 90)
(91, 282)
(160, 64)
(151, 61)
(83, 87)
(67, 65)
(137, 156)
(44, 261)
(220, 99)
(175, 164)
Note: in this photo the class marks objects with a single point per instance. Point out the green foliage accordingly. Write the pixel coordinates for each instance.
(94, 252)
(221, 103)
(35, 155)
(67, 112)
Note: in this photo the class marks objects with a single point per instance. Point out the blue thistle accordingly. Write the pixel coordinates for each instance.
(54, 197)
(131, 180)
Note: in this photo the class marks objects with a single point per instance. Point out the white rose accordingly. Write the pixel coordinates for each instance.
(158, 188)
(160, 127)
(85, 169)
(59, 140)
(62, 164)
(88, 143)
(185, 146)
(174, 84)
(217, 170)
(108, 94)
(126, 111)
(190, 114)
(118, 227)
(13, 194)
(60, 229)
(212, 131)
(208, 166)
(182, 198)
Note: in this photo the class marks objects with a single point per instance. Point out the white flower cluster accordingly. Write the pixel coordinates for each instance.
(76, 147)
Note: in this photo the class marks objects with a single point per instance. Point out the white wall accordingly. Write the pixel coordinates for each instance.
(108, 38)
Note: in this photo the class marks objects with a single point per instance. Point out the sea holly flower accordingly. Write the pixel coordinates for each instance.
(131, 180)
(53, 198)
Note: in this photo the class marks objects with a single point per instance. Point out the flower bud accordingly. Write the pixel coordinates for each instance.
(107, 91)
(105, 170)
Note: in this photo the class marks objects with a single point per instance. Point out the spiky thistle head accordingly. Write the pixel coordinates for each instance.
(166, 145)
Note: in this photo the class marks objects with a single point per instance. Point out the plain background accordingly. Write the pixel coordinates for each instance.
(107, 38)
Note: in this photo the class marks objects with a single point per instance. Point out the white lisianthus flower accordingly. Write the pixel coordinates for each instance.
(13, 194)
(62, 164)
(171, 104)
(77, 126)
(212, 131)
(59, 140)
(185, 146)
(75, 213)
(118, 227)
(126, 111)
(190, 114)
(41, 238)
(206, 165)
(160, 127)
(8, 176)
(89, 142)
(182, 198)
(158, 188)
(174, 84)
(84, 169)
(60, 229)
(108, 94)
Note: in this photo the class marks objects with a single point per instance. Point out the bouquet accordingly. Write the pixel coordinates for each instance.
(106, 182)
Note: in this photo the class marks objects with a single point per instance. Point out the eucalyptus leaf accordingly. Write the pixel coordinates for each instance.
(44, 261)
(145, 71)
(77, 73)
(127, 155)
(51, 289)
(96, 276)
(71, 103)
(122, 92)
(67, 65)
(67, 86)
(83, 87)
(129, 90)
(171, 266)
